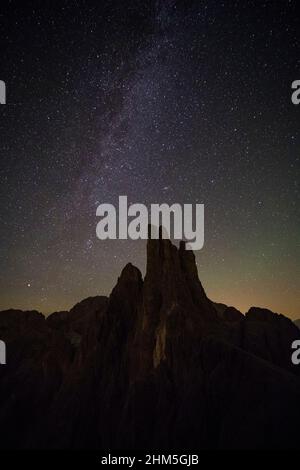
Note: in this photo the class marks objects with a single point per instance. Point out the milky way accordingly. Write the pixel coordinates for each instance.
(163, 103)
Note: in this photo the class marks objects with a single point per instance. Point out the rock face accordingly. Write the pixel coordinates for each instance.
(157, 365)
(228, 313)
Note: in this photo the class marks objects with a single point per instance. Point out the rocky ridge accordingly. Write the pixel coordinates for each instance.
(155, 365)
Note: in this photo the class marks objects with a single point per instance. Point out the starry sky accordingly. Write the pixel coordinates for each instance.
(162, 101)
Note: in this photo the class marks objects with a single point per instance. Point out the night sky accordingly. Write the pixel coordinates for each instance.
(162, 101)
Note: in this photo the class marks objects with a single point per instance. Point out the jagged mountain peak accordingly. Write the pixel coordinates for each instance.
(156, 364)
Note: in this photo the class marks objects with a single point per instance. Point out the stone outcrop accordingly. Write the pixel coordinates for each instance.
(155, 365)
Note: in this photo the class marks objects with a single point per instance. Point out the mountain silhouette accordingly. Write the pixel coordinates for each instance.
(156, 365)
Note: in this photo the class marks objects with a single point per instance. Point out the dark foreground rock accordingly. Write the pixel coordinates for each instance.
(156, 365)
